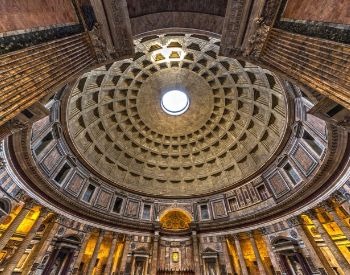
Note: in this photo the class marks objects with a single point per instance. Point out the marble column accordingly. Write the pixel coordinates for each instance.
(242, 263)
(343, 263)
(227, 260)
(146, 266)
(197, 270)
(93, 259)
(15, 223)
(111, 253)
(82, 249)
(125, 254)
(257, 254)
(133, 263)
(13, 261)
(40, 249)
(272, 255)
(154, 263)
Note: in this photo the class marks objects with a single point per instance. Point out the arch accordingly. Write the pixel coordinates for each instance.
(71, 238)
(5, 207)
(167, 210)
(284, 244)
(283, 240)
(175, 219)
(141, 249)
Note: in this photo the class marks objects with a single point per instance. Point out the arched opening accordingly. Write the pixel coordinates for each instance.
(175, 219)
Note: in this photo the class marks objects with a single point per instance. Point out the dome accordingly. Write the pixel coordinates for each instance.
(234, 124)
(244, 149)
(152, 137)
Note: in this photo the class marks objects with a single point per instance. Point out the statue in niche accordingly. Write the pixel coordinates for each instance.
(139, 268)
(212, 269)
(299, 269)
(55, 268)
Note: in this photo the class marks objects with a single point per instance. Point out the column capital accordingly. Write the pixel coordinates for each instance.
(339, 196)
(115, 235)
(294, 221)
(311, 213)
(250, 234)
(264, 230)
(128, 237)
(121, 237)
(235, 236)
(326, 206)
(29, 203)
(224, 237)
(51, 216)
(21, 195)
(156, 236)
(44, 211)
(87, 228)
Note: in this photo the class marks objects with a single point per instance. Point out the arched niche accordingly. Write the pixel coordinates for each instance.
(175, 219)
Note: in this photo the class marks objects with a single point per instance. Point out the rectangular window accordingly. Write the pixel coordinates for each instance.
(204, 212)
(292, 174)
(309, 139)
(43, 143)
(27, 113)
(336, 109)
(62, 173)
(146, 213)
(117, 207)
(89, 193)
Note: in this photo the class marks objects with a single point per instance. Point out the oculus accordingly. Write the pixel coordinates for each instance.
(175, 102)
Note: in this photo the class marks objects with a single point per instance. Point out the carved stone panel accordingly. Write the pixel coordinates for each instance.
(304, 160)
(103, 199)
(278, 184)
(132, 209)
(52, 159)
(75, 184)
(219, 209)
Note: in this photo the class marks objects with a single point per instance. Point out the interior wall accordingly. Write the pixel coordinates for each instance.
(27, 14)
(331, 11)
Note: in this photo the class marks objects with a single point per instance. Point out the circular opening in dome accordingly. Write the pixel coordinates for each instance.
(175, 102)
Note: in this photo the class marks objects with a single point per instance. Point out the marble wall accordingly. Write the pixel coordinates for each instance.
(331, 11)
(29, 14)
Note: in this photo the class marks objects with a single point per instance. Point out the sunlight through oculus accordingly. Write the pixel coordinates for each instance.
(175, 102)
